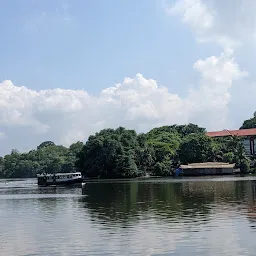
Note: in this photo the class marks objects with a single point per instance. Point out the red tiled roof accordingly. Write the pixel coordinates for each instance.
(243, 132)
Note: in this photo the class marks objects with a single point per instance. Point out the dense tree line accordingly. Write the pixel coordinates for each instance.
(122, 153)
(48, 157)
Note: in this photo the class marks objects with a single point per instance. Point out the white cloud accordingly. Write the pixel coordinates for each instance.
(28, 117)
(210, 102)
(193, 12)
(228, 23)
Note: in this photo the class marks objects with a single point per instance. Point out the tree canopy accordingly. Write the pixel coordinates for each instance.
(249, 123)
(122, 153)
(48, 157)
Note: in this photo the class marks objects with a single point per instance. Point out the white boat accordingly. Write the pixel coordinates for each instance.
(46, 179)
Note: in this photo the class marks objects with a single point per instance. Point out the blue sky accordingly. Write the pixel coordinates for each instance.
(71, 68)
(94, 44)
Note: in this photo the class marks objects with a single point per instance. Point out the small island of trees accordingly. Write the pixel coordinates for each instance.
(122, 153)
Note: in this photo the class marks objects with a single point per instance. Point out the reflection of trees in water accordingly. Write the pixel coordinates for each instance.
(251, 201)
(128, 201)
(253, 186)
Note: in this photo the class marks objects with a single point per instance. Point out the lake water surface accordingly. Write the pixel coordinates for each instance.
(186, 216)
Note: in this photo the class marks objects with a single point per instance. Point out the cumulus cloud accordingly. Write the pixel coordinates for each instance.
(209, 104)
(27, 117)
(229, 23)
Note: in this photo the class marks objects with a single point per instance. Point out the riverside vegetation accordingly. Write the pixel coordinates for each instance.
(122, 153)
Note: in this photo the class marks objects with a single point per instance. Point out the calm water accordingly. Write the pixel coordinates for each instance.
(207, 216)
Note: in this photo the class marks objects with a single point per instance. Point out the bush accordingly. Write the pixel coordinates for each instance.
(228, 157)
(244, 166)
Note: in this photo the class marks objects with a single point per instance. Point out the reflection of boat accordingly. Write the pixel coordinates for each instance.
(59, 178)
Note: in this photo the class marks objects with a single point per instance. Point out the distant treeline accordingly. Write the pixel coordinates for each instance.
(48, 157)
(122, 153)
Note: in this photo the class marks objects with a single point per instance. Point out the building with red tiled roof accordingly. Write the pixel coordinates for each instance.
(224, 133)
(248, 134)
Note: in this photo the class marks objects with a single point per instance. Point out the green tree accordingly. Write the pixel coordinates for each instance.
(196, 148)
(75, 148)
(48, 157)
(249, 123)
(110, 154)
(45, 144)
(185, 130)
(162, 168)
(1, 167)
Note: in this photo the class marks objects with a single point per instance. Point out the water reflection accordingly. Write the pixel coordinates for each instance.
(124, 202)
(194, 217)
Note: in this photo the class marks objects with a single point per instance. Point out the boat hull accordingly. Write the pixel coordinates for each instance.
(64, 182)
